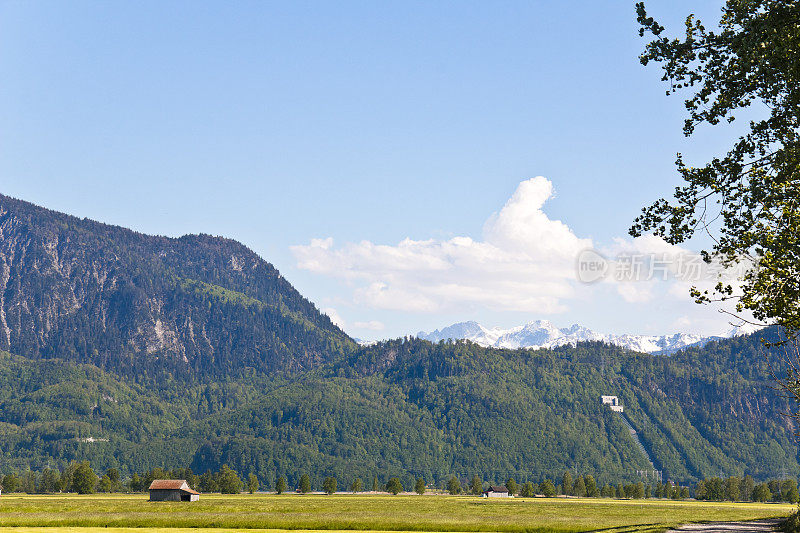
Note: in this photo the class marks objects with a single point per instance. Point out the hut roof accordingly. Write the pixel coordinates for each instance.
(171, 484)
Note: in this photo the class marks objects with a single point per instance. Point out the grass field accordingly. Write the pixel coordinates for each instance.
(121, 513)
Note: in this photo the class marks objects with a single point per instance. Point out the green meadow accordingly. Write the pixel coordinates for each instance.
(109, 513)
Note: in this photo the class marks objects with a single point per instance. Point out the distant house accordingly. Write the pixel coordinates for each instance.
(496, 492)
(172, 490)
(612, 402)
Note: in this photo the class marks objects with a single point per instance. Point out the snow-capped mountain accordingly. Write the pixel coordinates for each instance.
(543, 334)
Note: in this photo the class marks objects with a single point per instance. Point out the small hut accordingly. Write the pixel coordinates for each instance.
(172, 490)
(496, 492)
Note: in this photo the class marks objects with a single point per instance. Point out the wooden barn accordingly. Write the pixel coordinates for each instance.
(172, 490)
(496, 492)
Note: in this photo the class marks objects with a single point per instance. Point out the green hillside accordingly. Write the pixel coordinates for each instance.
(137, 351)
(412, 408)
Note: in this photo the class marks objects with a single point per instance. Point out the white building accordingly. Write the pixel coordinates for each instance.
(496, 492)
(612, 402)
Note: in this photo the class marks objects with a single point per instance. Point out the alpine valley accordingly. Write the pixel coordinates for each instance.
(136, 351)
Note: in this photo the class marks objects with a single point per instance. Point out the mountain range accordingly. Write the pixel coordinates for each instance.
(136, 351)
(136, 304)
(543, 334)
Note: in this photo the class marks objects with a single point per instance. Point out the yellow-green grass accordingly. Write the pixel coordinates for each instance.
(84, 514)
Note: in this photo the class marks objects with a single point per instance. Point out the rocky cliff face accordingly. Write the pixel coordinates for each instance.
(128, 302)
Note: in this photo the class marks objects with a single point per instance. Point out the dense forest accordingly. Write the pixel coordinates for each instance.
(415, 409)
(134, 352)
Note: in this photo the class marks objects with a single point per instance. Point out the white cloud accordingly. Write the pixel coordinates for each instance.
(637, 266)
(372, 325)
(682, 323)
(635, 292)
(525, 262)
(335, 317)
(522, 226)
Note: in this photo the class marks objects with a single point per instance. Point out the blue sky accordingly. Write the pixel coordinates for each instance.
(359, 124)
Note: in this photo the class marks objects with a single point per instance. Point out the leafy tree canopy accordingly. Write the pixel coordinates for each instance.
(476, 485)
(252, 483)
(84, 480)
(229, 481)
(329, 485)
(454, 486)
(566, 483)
(547, 488)
(511, 485)
(528, 490)
(394, 486)
(305, 484)
(748, 199)
(281, 485)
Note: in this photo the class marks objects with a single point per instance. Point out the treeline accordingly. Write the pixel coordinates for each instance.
(226, 480)
(81, 478)
(583, 486)
(745, 489)
(77, 477)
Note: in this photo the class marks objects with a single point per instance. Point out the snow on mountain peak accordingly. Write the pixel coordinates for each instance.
(543, 334)
(745, 328)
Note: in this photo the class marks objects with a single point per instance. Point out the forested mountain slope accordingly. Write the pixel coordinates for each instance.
(137, 304)
(413, 408)
(136, 351)
(716, 407)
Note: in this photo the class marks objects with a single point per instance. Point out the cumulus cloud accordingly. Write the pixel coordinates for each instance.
(637, 266)
(524, 262)
(335, 317)
(635, 292)
(521, 226)
(373, 325)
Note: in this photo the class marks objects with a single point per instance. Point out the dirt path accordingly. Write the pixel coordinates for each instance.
(756, 526)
